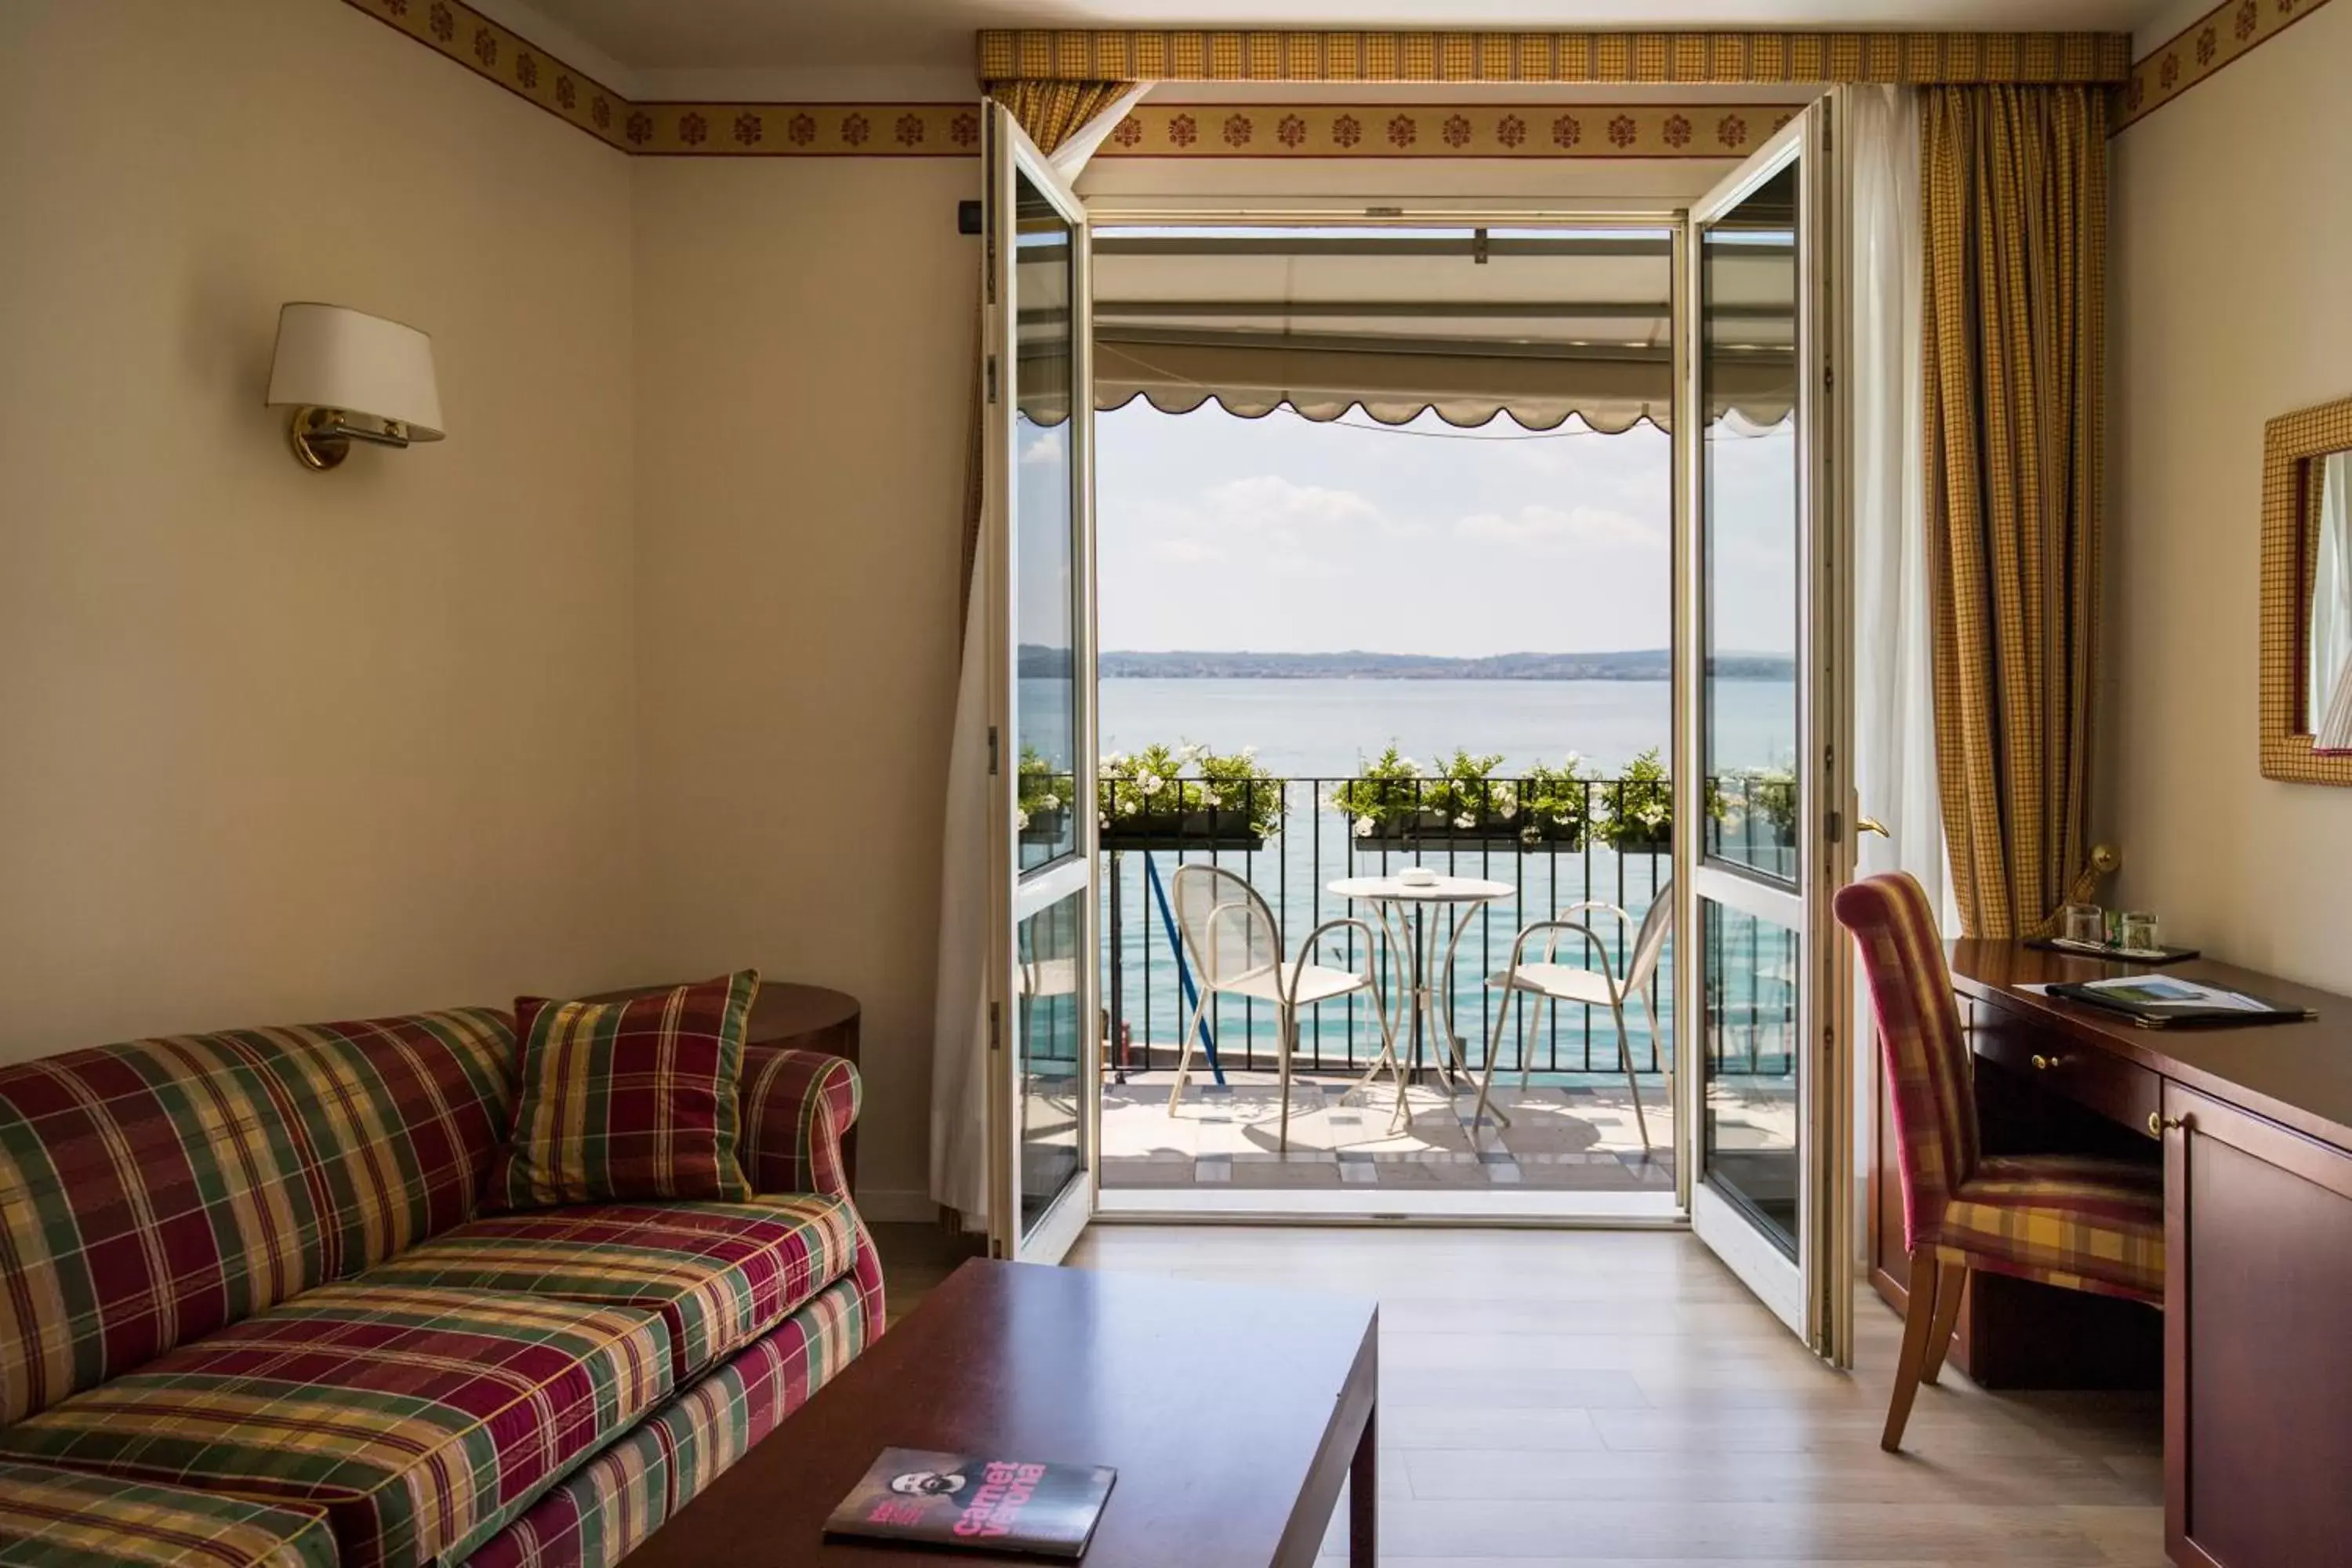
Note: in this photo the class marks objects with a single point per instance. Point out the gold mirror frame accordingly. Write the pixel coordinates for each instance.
(2291, 444)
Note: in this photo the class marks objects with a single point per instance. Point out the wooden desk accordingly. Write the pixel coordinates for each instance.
(2255, 1129)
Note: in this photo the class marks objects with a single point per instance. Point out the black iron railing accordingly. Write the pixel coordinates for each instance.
(1609, 840)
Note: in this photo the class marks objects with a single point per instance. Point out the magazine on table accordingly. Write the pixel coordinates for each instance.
(2161, 999)
(976, 1502)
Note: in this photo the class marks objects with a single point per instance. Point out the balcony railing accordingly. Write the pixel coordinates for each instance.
(1616, 849)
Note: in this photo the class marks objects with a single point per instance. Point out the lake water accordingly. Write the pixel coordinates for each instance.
(1323, 728)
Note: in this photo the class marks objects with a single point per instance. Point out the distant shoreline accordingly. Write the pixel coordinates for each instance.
(1632, 665)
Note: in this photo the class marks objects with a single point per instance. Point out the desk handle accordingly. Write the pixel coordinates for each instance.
(2158, 1123)
(2046, 1064)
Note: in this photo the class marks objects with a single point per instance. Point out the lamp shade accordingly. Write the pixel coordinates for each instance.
(330, 357)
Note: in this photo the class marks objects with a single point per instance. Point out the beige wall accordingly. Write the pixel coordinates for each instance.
(804, 336)
(281, 746)
(2229, 307)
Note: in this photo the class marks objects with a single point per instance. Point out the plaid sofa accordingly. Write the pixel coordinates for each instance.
(248, 1315)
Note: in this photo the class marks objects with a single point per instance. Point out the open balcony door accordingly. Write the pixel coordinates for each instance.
(1036, 571)
(1761, 569)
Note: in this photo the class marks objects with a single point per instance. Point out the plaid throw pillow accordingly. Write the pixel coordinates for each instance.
(626, 1101)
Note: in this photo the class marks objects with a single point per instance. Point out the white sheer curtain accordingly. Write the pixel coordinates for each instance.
(1894, 695)
(960, 1024)
(958, 1178)
(1894, 719)
(2330, 708)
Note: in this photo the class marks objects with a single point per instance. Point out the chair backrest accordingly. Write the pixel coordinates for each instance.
(1923, 1052)
(1650, 940)
(1226, 922)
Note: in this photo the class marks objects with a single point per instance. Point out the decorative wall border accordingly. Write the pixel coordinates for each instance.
(1587, 58)
(458, 32)
(2227, 33)
(805, 130)
(1445, 130)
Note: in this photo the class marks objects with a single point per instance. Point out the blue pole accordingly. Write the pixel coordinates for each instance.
(1184, 970)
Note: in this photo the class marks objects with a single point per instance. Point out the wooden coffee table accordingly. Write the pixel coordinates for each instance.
(1232, 1415)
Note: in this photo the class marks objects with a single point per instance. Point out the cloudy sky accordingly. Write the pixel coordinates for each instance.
(1280, 534)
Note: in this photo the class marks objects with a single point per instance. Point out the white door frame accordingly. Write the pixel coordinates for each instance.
(1015, 895)
(1812, 1292)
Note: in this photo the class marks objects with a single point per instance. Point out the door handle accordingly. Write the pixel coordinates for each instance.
(1871, 825)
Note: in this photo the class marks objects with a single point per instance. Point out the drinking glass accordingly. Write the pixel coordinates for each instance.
(2139, 931)
(2084, 923)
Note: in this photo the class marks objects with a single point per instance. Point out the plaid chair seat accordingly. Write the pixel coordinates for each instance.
(2076, 1221)
(720, 1274)
(418, 1421)
(64, 1519)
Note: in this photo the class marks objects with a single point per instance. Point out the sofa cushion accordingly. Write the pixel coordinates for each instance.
(720, 1274)
(608, 1506)
(150, 1192)
(419, 1421)
(51, 1519)
(628, 1101)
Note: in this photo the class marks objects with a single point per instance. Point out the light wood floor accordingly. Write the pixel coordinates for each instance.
(1618, 1398)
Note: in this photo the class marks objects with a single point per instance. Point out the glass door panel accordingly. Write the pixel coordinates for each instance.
(1045, 486)
(1037, 539)
(1049, 1032)
(1752, 521)
(1749, 1033)
(1759, 711)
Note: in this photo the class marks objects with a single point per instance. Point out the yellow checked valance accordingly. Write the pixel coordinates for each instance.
(1729, 58)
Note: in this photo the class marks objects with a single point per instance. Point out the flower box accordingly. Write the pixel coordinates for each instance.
(1210, 827)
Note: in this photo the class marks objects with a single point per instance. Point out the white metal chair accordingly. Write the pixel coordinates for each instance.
(1550, 982)
(1235, 944)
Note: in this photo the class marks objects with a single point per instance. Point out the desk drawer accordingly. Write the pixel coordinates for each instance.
(2111, 1086)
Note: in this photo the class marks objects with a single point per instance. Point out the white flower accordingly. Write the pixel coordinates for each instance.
(1020, 818)
(1466, 820)
(1249, 753)
(1149, 782)
(1102, 819)
(1049, 802)
(1363, 828)
(1116, 760)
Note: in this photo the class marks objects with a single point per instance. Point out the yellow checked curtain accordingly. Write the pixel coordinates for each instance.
(2014, 209)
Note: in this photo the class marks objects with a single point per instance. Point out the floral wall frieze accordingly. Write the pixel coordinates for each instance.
(804, 130)
(1441, 131)
(2227, 33)
(500, 55)
(497, 54)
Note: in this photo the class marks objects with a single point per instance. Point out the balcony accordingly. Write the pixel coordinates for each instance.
(1572, 1124)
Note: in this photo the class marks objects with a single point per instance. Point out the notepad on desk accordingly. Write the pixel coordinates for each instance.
(2159, 1001)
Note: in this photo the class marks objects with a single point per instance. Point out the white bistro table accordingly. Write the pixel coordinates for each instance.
(1400, 904)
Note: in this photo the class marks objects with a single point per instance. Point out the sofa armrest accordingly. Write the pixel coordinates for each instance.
(796, 1108)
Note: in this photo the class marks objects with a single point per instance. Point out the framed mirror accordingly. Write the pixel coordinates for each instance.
(2306, 706)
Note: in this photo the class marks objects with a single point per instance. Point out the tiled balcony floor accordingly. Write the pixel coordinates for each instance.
(1560, 1138)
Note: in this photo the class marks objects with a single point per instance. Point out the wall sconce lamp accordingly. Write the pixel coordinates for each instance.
(350, 376)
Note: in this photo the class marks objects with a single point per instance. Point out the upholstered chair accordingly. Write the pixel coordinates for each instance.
(2080, 1222)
